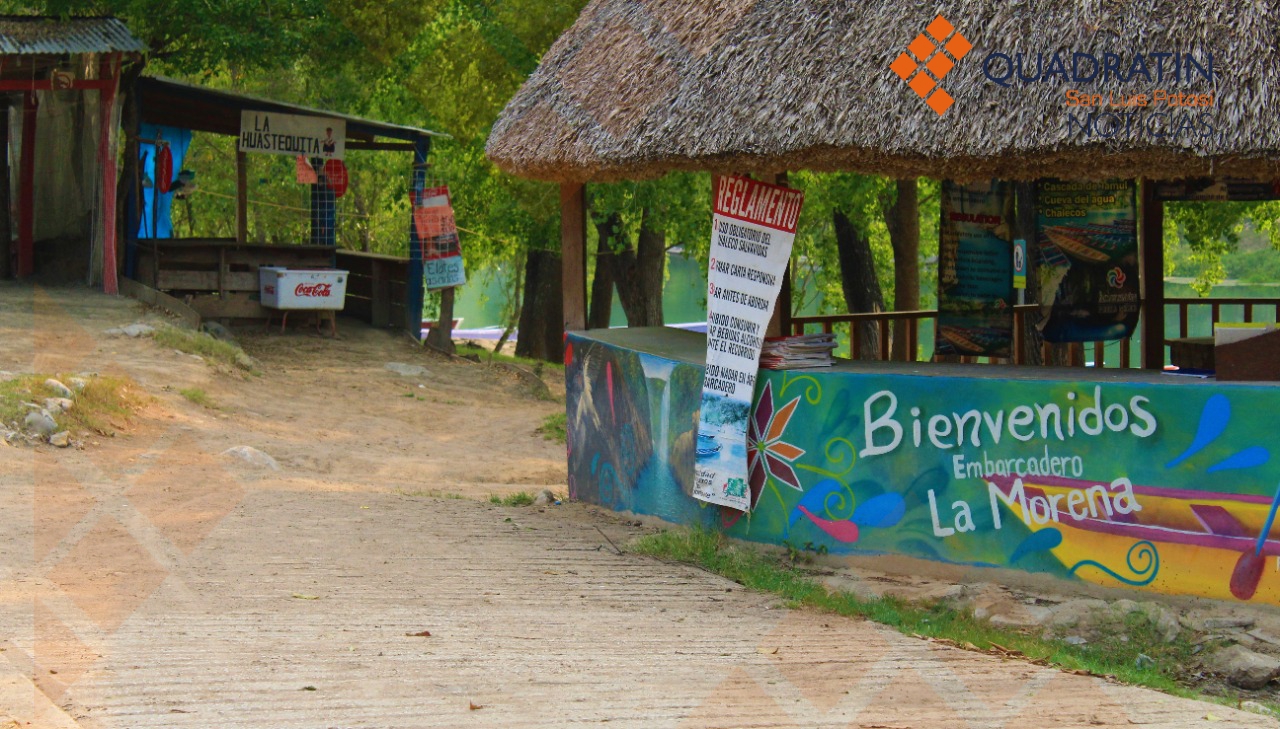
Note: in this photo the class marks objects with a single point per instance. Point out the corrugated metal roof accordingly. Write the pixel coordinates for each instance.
(180, 104)
(36, 35)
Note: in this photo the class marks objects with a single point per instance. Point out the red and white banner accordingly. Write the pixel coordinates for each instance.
(442, 252)
(751, 236)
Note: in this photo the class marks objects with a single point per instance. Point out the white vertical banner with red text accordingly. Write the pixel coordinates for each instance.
(442, 252)
(751, 235)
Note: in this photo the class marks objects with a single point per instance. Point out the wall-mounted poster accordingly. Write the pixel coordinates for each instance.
(975, 270)
(1087, 259)
(751, 235)
(292, 134)
(433, 219)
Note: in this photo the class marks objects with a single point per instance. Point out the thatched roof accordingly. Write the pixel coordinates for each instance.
(640, 87)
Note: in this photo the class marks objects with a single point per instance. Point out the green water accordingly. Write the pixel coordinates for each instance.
(684, 299)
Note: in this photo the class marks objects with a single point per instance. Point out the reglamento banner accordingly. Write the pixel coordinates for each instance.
(975, 270)
(1087, 242)
(292, 134)
(433, 219)
(751, 236)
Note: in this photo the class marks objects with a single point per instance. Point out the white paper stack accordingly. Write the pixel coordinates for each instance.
(798, 352)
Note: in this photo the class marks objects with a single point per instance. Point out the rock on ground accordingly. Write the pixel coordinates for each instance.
(1244, 668)
(133, 330)
(217, 331)
(58, 388)
(252, 456)
(60, 440)
(544, 498)
(408, 370)
(58, 404)
(40, 422)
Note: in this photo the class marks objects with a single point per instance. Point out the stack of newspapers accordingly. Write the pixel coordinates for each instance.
(798, 352)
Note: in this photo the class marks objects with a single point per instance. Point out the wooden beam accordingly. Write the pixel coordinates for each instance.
(26, 188)
(780, 324)
(573, 254)
(415, 291)
(1151, 243)
(242, 197)
(107, 160)
(379, 146)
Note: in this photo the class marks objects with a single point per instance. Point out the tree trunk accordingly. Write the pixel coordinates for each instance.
(858, 279)
(638, 274)
(441, 335)
(542, 315)
(601, 308)
(902, 217)
(129, 187)
(6, 211)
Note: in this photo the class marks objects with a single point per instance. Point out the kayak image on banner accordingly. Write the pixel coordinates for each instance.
(975, 270)
(752, 232)
(1087, 256)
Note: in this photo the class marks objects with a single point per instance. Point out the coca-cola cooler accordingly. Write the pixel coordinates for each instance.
(291, 289)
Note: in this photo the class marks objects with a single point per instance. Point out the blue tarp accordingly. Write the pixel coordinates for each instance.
(179, 140)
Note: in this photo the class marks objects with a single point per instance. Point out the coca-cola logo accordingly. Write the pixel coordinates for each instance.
(313, 289)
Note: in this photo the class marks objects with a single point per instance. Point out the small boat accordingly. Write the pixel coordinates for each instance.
(1200, 536)
(707, 445)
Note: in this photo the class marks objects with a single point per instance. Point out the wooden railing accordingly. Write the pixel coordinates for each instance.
(1250, 309)
(376, 288)
(907, 324)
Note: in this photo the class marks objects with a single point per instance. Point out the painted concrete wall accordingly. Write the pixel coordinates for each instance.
(1160, 485)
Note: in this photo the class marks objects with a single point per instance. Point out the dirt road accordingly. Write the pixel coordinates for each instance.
(146, 580)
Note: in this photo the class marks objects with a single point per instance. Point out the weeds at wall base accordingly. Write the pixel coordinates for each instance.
(1164, 666)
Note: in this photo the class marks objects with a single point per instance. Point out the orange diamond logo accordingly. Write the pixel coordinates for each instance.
(922, 84)
(940, 101)
(940, 65)
(904, 66)
(959, 46)
(921, 47)
(933, 54)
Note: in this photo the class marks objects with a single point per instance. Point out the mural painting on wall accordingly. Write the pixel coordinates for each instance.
(1164, 487)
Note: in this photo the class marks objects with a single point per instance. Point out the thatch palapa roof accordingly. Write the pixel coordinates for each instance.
(637, 88)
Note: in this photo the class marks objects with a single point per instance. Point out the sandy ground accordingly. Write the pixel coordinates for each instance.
(147, 581)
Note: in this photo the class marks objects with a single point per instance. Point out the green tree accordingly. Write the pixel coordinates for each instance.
(1211, 231)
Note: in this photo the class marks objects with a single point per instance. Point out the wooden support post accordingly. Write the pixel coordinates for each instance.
(414, 292)
(242, 197)
(107, 160)
(1151, 244)
(780, 324)
(380, 295)
(6, 223)
(573, 254)
(26, 188)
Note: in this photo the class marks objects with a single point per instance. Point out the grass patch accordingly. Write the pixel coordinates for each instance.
(430, 494)
(104, 406)
(520, 498)
(537, 365)
(199, 343)
(554, 428)
(197, 396)
(756, 570)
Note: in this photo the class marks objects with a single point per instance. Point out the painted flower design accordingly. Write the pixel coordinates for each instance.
(767, 454)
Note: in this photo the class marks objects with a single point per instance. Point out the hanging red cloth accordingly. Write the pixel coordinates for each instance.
(164, 169)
